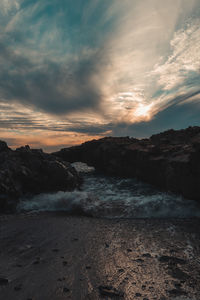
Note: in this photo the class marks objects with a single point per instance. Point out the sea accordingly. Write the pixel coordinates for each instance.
(112, 197)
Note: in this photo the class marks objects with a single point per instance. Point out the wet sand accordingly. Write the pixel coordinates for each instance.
(51, 256)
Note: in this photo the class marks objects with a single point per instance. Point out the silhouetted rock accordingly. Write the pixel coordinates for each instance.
(4, 147)
(28, 171)
(169, 160)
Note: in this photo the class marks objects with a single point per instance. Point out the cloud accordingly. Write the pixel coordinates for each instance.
(184, 61)
(184, 112)
(50, 59)
(50, 86)
(7, 6)
(97, 67)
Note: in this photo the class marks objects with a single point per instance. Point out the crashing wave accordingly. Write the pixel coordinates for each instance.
(113, 197)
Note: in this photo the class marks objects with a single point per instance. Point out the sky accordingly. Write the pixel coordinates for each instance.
(72, 71)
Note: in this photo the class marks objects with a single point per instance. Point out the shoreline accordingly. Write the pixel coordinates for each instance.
(57, 256)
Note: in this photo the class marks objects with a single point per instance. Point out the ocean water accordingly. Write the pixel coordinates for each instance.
(112, 197)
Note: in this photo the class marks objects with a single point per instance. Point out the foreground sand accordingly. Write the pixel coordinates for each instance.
(51, 256)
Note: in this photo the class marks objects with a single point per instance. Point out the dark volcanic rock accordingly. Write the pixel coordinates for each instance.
(28, 171)
(169, 160)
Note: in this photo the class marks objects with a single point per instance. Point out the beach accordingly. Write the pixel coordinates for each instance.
(57, 256)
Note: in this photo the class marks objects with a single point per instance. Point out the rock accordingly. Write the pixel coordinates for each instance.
(66, 290)
(110, 292)
(177, 292)
(169, 160)
(36, 262)
(61, 279)
(172, 260)
(138, 295)
(143, 287)
(177, 285)
(148, 255)
(121, 270)
(3, 281)
(18, 287)
(26, 172)
(139, 260)
(177, 273)
(88, 267)
(4, 147)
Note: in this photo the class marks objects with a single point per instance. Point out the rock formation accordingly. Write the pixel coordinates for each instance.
(169, 160)
(28, 171)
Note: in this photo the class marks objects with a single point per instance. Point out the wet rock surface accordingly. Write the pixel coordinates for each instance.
(164, 264)
(28, 171)
(169, 160)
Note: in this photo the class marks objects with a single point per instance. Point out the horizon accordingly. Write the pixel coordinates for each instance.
(72, 71)
(51, 149)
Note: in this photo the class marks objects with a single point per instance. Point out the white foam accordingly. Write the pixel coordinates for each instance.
(82, 167)
(76, 201)
(113, 197)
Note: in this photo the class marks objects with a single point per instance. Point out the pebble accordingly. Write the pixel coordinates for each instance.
(110, 292)
(3, 281)
(88, 267)
(18, 287)
(55, 250)
(66, 290)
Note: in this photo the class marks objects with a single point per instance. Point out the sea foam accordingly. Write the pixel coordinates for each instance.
(111, 197)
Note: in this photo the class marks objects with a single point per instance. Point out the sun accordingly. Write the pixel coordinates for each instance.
(143, 110)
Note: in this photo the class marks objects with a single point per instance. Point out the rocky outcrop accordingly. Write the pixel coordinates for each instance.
(28, 171)
(169, 160)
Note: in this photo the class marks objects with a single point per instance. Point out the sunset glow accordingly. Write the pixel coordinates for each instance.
(74, 71)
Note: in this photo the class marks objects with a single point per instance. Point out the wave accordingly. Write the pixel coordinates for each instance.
(73, 202)
(111, 197)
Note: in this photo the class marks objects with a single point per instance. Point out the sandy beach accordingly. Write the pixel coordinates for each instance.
(54, 256)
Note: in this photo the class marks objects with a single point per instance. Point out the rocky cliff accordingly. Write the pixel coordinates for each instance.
(169, 160)
(28, 171)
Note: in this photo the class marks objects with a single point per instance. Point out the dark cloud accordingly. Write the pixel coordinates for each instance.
(51, 55)
(53, 87)
(92, 129)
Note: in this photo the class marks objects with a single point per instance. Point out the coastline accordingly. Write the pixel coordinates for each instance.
(57, 256)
